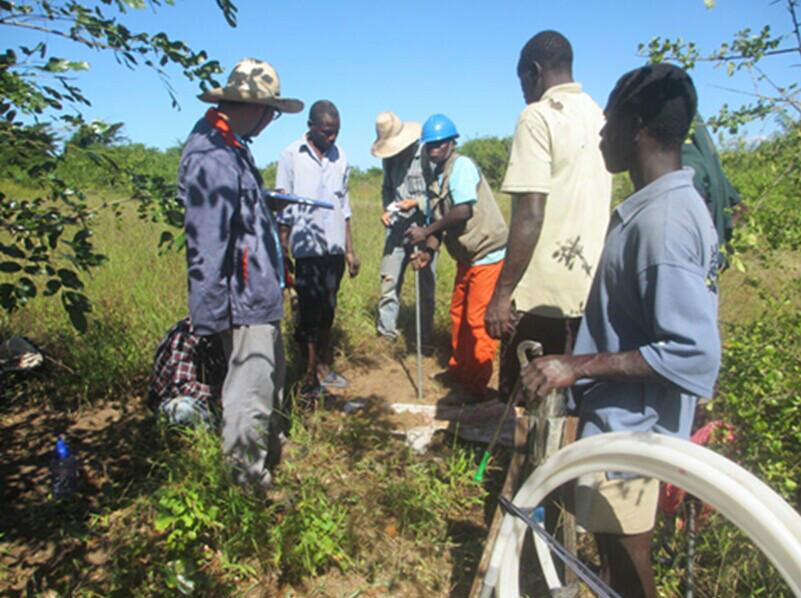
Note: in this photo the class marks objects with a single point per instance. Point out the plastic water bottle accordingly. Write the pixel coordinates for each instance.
(64, 471)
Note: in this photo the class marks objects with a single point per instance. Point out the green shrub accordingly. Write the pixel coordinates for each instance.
(491, 154)
(111, 168)
(768, 180)
(759, 394)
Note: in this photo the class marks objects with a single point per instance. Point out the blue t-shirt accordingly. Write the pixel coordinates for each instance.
(462, 184)
(655, 291)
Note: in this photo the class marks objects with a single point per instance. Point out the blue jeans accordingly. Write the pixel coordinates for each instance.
(393, 268)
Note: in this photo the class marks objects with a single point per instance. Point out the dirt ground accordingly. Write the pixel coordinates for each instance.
(31, 546)
(112, 439)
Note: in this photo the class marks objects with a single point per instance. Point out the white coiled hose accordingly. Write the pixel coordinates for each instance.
(772, 524)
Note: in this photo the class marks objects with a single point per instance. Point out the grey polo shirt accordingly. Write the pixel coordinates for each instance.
(655, 291)
(315, 231)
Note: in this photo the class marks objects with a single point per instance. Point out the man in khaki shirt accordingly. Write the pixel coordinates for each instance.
(561, 193)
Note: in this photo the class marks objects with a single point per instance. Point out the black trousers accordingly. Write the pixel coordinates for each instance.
(317, 284)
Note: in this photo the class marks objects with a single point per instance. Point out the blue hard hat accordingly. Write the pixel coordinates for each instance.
(437, 128)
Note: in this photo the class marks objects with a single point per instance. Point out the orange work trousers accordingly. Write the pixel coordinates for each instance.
(473, 349)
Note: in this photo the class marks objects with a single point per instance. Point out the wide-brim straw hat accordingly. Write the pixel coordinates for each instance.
(393, 135)
(253, 82)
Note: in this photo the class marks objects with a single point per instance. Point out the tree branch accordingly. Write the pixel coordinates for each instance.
(787, 98)
(776, 182)
(75, 38)
(796, 28)
(716, 58)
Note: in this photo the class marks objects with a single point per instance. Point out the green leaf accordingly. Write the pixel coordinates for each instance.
(10, 267)
(166, 237)
(162, 522)
(26, 289)
(52, 287)
(69, 279)
(57, 65)
(12, 251)
(77, 306)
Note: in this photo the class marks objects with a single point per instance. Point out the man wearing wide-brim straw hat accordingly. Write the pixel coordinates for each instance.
(405, 204)
(234, 260)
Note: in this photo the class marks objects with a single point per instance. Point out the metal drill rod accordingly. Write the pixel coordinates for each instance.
(522, 356)
(595, 583)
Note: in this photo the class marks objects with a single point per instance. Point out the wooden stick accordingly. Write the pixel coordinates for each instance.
(568, 518)
(508, 490)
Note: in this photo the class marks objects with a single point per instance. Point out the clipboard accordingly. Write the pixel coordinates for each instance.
(296, 199)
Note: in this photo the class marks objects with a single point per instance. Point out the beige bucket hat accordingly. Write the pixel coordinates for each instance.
(253, 82)
(393, 135)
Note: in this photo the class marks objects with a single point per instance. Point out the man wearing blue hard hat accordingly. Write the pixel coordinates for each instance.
(463, 214)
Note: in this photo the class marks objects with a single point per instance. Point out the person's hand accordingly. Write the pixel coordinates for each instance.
(404, 205)
(496, 318)
(415, 235)
(544, 374)
(420, 259)
(278, 205)
(385, 218)
(353, 263)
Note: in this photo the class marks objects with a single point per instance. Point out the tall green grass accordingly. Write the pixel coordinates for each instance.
(141, 292)
(365, 507)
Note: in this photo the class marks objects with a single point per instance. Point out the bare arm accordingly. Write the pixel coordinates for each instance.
(350, 255)
(524, 233)
(544, 374)
(455, 216)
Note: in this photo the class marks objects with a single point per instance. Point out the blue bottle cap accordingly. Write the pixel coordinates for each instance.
(539, 515)
(62, 449)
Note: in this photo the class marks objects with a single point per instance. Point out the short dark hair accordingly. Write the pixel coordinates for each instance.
(321, 108)
(663, 96)
(550, 49)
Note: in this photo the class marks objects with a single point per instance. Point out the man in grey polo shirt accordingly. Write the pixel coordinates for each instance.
(648, 344)
(319, 239)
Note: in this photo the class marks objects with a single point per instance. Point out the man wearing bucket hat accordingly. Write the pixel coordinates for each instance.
(464, 213)
(234, 260)
(403, 194)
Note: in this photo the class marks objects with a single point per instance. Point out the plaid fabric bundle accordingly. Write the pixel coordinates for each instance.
(187, 364)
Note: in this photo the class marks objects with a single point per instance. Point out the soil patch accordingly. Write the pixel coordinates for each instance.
(113, 442)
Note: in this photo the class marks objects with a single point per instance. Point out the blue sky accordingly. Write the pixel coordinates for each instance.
(415, 58)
